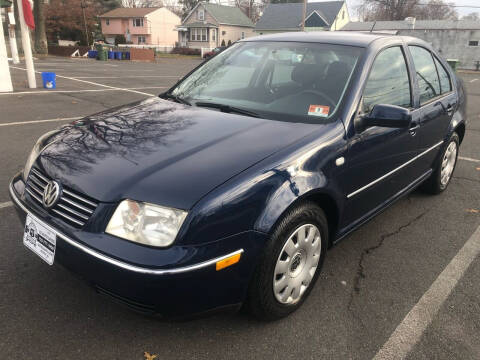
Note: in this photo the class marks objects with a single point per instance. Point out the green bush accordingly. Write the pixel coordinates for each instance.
(185, 51)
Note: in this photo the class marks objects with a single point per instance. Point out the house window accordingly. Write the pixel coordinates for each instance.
(473, 43)
(141, 40)
(138, 22)
(214, 34)
(201, 14)
(107, 21)
(198, 34)
(243, 35)
(343, 14)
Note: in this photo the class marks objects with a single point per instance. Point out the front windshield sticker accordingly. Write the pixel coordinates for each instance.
(319, 110)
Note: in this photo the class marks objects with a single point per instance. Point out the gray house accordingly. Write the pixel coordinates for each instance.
(328, 15)
(454, 39)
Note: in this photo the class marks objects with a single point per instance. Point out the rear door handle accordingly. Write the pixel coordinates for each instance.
(450, 109)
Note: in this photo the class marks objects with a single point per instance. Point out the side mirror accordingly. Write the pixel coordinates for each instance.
(387, 116)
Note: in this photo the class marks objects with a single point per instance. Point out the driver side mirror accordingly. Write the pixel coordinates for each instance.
(390, 116)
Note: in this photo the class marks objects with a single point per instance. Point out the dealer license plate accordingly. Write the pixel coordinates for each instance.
(39, 238)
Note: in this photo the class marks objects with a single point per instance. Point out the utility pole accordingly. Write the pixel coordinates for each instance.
(5, 79)
(11, 34)
(27, 47)
(304, 12)
(83, 5)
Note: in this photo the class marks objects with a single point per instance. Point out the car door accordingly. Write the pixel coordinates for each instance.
(437, 103)
(379, 159)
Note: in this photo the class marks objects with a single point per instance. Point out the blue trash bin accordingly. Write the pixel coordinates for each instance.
(48, 79)
(111, 55)
(118, 55)
(127, 55)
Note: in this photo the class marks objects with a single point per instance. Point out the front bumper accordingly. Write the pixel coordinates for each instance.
(191, 286)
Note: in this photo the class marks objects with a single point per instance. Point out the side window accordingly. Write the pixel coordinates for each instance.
(388, 82)
(445, 83)
(427, 76)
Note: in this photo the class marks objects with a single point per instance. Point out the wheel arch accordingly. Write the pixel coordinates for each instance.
(323, 200)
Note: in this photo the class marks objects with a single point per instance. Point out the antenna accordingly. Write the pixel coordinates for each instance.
(374, 23)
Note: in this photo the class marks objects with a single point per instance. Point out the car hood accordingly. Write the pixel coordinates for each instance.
(160, 152)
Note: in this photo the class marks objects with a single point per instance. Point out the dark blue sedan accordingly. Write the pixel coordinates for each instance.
(229, 188)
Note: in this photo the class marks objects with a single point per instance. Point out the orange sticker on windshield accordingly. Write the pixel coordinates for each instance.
(318, 110)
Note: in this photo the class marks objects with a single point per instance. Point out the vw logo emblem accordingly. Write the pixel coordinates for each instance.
(51, 194)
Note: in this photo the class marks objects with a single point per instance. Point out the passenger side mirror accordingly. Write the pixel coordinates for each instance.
(390, 116)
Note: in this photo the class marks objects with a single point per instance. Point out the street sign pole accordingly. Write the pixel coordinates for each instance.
(5, 79)
(27, 47)
(12, 35)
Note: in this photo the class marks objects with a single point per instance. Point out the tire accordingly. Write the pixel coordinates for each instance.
(439, 179)
(295, 268)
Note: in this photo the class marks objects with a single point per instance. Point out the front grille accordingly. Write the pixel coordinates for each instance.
(72, 207)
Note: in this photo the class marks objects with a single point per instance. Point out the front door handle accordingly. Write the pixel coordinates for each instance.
(413, 129)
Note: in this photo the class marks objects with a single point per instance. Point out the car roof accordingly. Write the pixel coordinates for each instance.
(351, 38)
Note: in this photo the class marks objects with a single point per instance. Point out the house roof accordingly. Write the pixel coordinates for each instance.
(228, 15)
(288, 16)
(419, 25)
(129, 12)
(199, 24)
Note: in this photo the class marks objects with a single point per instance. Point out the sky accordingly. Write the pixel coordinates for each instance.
(352, 5)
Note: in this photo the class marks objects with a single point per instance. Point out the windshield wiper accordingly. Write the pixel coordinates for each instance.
(227, 109)
(175, 98)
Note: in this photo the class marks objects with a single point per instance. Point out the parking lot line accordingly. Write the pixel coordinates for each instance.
(90, 82)
(41, 121)
(469, 159)
(6, 204)
(43, 92)
(124, 77)
(410, 330)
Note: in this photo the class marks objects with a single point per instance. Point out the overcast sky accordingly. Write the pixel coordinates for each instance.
(352, 6)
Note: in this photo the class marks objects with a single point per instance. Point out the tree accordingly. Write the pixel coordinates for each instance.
(187, 6)
(64, 18)
(41, 46)
(472, 16)
(285, 1)
(372, 10)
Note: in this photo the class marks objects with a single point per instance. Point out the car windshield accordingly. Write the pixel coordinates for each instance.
(288, 81)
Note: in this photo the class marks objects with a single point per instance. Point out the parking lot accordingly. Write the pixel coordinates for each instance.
(404, 282)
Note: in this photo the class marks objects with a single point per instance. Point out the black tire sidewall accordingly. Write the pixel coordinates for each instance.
(263, 302)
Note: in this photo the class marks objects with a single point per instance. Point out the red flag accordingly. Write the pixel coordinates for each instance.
(27, 14)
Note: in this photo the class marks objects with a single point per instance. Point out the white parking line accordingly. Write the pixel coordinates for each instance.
(41, 121)
(89, 82)
(410, 330)
(5, 204)
(469, 159)
(473, 80)
(129, 76)
(43, 92)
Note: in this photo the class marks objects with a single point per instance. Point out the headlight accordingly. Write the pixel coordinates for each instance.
(146, 223)
(31, 159)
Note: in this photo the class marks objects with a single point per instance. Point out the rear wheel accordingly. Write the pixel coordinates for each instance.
(290, 263)
(443, 172)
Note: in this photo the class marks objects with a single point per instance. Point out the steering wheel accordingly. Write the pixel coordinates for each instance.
(323, 95)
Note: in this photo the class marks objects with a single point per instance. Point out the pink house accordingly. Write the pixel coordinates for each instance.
(141, 26)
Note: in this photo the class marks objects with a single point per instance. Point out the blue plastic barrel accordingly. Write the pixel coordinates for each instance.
(111, 55)
(127, 55)
(92, 54)
(48, 79)
(118, 55)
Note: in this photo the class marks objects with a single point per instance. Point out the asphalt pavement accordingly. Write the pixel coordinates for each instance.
(371, 283)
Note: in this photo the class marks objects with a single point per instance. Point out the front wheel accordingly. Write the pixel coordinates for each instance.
(290, 264)
(443, 172)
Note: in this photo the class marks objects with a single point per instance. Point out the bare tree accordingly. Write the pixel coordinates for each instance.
(41, 46)
(372, 10)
